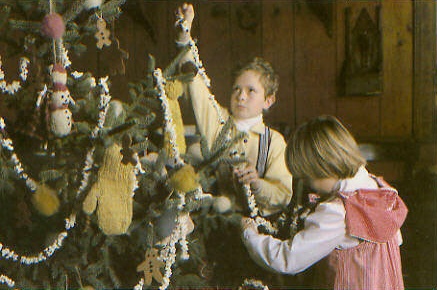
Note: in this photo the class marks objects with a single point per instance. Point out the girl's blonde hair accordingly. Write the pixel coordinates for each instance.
(323, 148)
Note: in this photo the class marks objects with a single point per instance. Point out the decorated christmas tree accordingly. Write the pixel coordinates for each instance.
(97, 192)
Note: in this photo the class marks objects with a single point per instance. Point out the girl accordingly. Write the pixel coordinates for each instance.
(357, 223)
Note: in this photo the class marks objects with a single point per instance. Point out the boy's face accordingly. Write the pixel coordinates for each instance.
(248, 98)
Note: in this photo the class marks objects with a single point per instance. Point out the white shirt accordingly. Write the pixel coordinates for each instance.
(325, 230)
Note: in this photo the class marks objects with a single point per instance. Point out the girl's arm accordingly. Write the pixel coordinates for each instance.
(324, 230)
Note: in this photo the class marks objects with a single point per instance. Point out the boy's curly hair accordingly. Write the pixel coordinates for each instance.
(268, 77)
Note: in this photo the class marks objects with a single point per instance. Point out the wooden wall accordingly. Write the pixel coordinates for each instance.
(307, 53)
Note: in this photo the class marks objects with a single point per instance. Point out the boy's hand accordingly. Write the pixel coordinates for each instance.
(184, 20)
(248, 223)
(248, 175)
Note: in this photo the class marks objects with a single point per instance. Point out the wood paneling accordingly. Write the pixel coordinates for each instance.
(215, 46)
(278, 49)
(308, 60)
(314, 66)
(396, 103)
(424, 105)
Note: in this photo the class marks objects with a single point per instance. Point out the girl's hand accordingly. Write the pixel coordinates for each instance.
(248, 175)
(248, 223)
(184, 20)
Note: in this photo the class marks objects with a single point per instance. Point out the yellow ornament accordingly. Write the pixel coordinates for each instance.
(184, 179)
(112, 193)
(45, 200)
(173, 90)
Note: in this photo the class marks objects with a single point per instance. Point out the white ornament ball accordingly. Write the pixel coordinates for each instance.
(221, 204)
(60, 122)
(89, 4)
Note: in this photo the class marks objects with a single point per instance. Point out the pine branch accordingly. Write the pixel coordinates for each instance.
(172, 68)
(73, 11)
(27, 26)
(223, 135)
(122, 128)
(217, 154)
(111, 9)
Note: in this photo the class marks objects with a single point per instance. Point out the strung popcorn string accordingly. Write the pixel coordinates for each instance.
(18, 166)
(9, 254)
(15, 85)
(254, 211)
(202, 72)
(41, 96)
(169, 126)
(105, 98)
(63, 54)
(168, 253)
(140, 285)
(252, 283)
(6, 280)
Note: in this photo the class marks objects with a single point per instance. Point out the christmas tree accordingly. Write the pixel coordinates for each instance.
(91, 194)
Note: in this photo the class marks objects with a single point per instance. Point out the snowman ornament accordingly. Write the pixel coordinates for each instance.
(60, 116)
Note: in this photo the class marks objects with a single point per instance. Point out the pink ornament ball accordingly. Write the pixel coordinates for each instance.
(53, 26)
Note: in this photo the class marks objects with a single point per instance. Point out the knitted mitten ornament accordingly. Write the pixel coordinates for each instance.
(174, 90)
(112, 193)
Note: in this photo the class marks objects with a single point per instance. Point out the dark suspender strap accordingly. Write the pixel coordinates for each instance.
(263, 152)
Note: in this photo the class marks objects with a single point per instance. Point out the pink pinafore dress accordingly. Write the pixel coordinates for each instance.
(375, 217)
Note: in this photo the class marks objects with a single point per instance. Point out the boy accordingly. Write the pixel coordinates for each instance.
(254, 91)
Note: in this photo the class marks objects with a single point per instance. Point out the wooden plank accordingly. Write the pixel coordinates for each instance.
(424, 102)
(246, 32)
(396, 105)
(360, 116)
(314, 67)
(214, 42)
(278, 49)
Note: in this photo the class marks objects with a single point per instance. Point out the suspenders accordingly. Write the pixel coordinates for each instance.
(263, 152)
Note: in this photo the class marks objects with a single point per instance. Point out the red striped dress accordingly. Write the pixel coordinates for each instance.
(374, 216)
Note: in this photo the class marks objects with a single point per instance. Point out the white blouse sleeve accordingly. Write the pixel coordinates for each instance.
(324, 230)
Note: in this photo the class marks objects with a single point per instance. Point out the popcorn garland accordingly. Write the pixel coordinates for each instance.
(6, 280)
(252, 283)
(9, 254)
(168, 253)
(202, 72)
(63, 53)
(18, 166)
(140, 285)
(254, 211)
(168, 120)
(105, 98)
(15, 85)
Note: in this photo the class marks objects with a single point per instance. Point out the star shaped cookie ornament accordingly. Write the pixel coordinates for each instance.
(151, 267)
